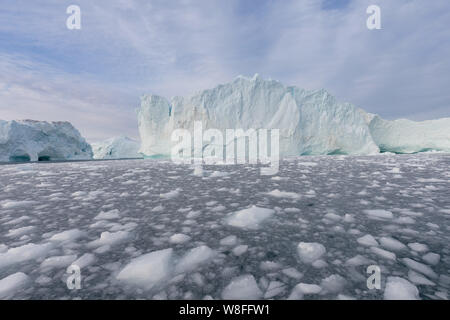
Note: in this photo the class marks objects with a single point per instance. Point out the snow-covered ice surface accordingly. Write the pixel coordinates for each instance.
(152, 229)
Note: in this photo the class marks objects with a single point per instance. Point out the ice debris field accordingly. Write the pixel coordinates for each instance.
(154, 230)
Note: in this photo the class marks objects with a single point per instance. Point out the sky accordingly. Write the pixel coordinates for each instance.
(94, 77)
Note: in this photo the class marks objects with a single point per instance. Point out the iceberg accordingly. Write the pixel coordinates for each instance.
(310, 122)
(406, 136)
(116, 148)
(29, 140)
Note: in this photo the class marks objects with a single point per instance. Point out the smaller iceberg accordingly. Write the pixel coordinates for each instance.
(30, 140)
(117, 148)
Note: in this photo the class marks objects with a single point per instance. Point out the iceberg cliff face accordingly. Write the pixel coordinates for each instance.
(116, 148)
(29, 140)
(310, 122)
(406, 136)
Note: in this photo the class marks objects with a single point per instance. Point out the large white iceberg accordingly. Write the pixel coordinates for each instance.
(116, 148)
(310, 122)
(29, 140)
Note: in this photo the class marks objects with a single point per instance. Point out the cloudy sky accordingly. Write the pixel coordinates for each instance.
(94, 77)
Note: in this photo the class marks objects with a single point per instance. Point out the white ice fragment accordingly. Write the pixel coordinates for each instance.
(419, 267)
(384, 253)
(379, 214)
(367, 240)
(357, 260)
(283, 194)
(229, 241)
(392, 244)
(194, 258)
(400, 289)
(419, 279)
(84, 261)
(431, 258)
(11, 284)
(418, 247)
(68, 235)
(242, 288)
(240, 250)
(171, 194)
(108, 215)
(148, 270)
(249, 218)
(23, 253)
(58, 261)
(334, 283)
(109, 238)
(310, 251)
(20, 231)
(292, 273)
(179, 238)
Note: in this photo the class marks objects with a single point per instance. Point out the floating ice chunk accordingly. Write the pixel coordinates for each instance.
(332, 216)
(23, 253)
(367, 240)
(68, 235)
(240, 250)
(179, 238)
(275, 288)
(310, 251)
(418, 247)
(12, 283)
(400, 289)
(283, 194)
(334, 283)
(249, 218)
(378, 214)
(392, 244)
(269, 266)
(58, 261)
(419, 279)
(112, 214)
(194, 258)
(308, 164)
(20, 231)
(419, 267)
(242, 288)
(171, 194)
(431, 258)
(218, 174)
(148, 270)
(17, 204)
(109, 238)
(319, 264)
(302, 289)
(357, 260)
(292, 273)
(229, 241)
(384, 253)
(85, 260)
(292, 210)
